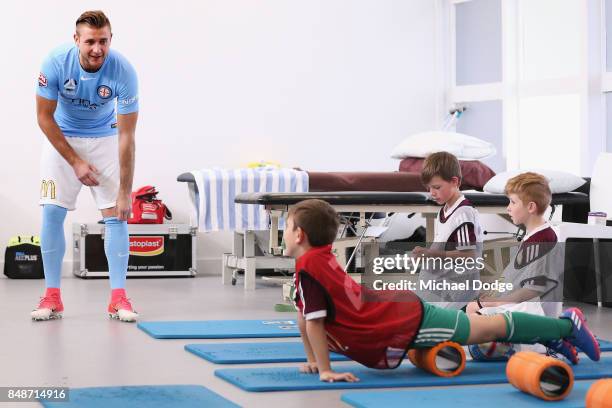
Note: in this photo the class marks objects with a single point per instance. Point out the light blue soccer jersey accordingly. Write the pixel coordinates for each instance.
(86, 100)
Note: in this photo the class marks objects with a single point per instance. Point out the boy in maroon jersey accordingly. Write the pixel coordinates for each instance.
(332, 314)
(536, 270)
(533, 270)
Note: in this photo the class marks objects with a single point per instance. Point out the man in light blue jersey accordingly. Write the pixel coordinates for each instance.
(87, 106)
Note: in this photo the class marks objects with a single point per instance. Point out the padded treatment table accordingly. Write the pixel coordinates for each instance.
(249, 252)
(220, 329)
(499, 396)
(388, 198)
(407, 375)
(401, 202)
(143, 396)
(352, 181)
(347, 192)
(365, 181)
(362, 202)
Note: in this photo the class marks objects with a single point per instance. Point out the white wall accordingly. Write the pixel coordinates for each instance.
(319, 84)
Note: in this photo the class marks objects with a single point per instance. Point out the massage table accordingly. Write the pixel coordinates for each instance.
(368, 202)
(251, 250)
(384, 201)
(245, 254)
(320, 181)
(363, 202)
(380, 192)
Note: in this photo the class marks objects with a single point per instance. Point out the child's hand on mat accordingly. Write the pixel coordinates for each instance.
(309, 368)
(332, 376)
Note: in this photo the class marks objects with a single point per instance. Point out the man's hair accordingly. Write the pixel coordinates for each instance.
(442, 164)
(94, 19)
(318, 220)
(530, 187)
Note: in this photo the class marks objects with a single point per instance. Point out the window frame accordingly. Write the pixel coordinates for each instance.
(591, 84)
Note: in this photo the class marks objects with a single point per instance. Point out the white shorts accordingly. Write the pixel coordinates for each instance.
(60, 186)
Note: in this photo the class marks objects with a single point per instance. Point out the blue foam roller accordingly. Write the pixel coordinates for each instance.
(220, 329)
(499, 396)
(143, 396)
(290, 379)
(254, 353)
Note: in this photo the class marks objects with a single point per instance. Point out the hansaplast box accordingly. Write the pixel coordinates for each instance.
(155, 250)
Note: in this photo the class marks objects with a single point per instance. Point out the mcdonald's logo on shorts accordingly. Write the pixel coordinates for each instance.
(47, 189)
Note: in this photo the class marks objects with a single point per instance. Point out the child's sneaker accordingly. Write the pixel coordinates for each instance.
(581, 336)
(120, 307)
(563, 347)
(492, 351)
(49, 307)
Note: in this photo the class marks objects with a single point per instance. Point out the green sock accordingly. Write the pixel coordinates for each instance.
(529, 329)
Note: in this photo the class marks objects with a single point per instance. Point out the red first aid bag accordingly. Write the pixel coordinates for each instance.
(146, 208)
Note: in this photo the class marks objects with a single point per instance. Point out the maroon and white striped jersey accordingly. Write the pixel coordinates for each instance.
(538, 265)
(458, 227)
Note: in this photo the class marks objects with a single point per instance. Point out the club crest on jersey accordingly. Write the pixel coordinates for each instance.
(70, 86)
(42, 80)
(104, 92)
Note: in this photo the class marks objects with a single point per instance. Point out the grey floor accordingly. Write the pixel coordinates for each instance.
(86, 348)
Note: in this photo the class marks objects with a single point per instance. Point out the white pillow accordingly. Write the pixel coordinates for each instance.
(463, 146)
(559, 181)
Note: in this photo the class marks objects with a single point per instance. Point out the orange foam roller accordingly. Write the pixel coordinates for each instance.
(600, 394)
(446, 359)
(544, 377)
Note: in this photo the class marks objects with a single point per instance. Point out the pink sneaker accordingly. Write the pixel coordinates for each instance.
(49, 307)
(120, 307)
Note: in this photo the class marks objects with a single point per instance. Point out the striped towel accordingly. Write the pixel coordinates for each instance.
(218, 187)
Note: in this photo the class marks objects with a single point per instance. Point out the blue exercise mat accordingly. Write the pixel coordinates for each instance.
(278, 352)
(220, 329)
(254, 353)
(143, 396)
(605, 345)
(290, 379)
(499, 396)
